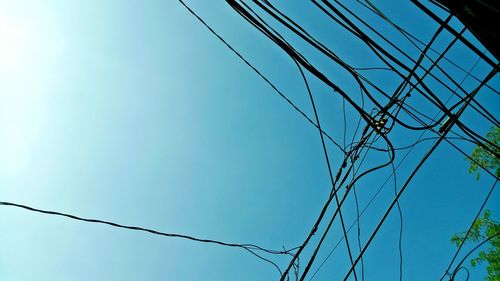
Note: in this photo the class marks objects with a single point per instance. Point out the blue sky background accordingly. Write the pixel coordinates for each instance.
(132, 112)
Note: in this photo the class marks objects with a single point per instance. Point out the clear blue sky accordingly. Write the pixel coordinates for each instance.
(132, 112)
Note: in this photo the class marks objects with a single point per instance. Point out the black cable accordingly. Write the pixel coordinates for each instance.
(375, 195)
(413, 38)
(417, 142)
(238, 54)
(400, 241)
(286, 48)
(484, 143)
(358, 231)
(329, 170)
(248, 17)
(368, 204)
(359, 32)
(456, 272)
(470, 252)
(472, 159)
(344, 131)
(373, 68)
(336, 211)
(252, 20)
(422, 161)
(291, 52)
(352, 183)
(301, 60)
(432, 97)
(249, 247)
(352, 224)
(470, 228)
(318, 46)
(321, 136)
(375, 10)
(413, 173)
(439, 5)
(453, 32)
(370, 43)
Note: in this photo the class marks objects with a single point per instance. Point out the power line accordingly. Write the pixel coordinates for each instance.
(413, 173)
(453, 32)
(332, 181)
(262, 76)
(400, 241)
(253, 18)
(469, 229)
(459, 266)
(252, 248)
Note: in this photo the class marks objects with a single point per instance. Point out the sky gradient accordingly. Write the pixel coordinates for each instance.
(134, 113)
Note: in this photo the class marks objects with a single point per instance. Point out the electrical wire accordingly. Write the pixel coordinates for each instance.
(456, 272)
(413, 173)
(453, 32)
(300, 60)
(469, 229)
(248, 247)
(259, 73)
(470, 252)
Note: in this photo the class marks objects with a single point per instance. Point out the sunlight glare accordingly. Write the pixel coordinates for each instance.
(28, 51)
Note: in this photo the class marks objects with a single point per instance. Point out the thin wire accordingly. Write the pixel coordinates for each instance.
(375, 195)
(358, 77)
(352, 224)
(309, 67)
(332, 181)
(359, 230)
(249, 247)
(419, 165)
(400, 243)
(470, 252)
(460, 268)
(370, 42)
(322, 142)
(318, 74)
(454, 32)
(470, 228)
(486, 114)
(422, 161)
(262, 76)
(345, 122)
(406, 34)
